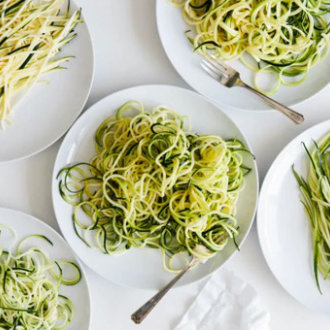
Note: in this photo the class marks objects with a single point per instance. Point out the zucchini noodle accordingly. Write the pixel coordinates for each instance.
(32, 32)
(152, 183)
(315, 196)
(285, 37)
(30, 286)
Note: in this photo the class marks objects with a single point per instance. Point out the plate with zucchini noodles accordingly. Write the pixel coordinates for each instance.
(279, 47)
(293, 217)
(151, 178)
(42, 284)
(46, 71)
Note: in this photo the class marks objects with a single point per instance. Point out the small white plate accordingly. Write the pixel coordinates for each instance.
(142, 268)
(283, 227)
(45, 113)
(171, 27)
(25, 225)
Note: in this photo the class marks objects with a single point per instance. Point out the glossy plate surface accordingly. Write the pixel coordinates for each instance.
(171, 27)
(25, 225)
(45, 113)
(142, 268)
(283, 227)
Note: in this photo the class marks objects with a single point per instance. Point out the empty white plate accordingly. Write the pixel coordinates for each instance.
(171, 27)
(26, 225)
(142, 268)
(283, 227)
(45, 113)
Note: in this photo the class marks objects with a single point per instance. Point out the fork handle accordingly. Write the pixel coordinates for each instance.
(145, 309)
(293, 115)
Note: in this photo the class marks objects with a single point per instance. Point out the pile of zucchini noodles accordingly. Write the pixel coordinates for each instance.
(29, 287)
(152, 183)
(32, 32)
(285, 37)
(315, 196)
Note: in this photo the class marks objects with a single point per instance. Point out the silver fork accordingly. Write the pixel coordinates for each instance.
(139, 315)
(229, 77)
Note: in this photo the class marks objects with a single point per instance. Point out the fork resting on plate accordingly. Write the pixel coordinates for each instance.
(229, 77)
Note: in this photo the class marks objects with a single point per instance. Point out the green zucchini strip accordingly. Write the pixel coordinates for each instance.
(315, 196)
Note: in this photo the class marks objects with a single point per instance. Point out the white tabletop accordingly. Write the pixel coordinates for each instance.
(128, 52)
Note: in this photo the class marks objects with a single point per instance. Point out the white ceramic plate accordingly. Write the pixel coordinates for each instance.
(171, 27)
(142, 268)
(283, 227)
(45, 113)
(25, 225)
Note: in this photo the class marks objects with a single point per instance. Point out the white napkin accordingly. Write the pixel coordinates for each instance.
(226, 303)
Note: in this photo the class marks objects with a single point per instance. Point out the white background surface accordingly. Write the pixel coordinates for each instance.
(127, 53)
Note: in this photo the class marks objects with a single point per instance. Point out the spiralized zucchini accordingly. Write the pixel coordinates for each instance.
(286, 37)
(32, 32)
(153, 183)
(30, 285)
(315, 196)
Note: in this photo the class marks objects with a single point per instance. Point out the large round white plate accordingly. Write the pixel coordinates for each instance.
(283, 226)
(45, 113)
(142, 268)
(171, 27)
(25, 225)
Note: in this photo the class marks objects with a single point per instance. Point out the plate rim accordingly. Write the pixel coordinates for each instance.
(63, 241)
(261, 223)
(195, 94)
(65, 129)
(264, 109)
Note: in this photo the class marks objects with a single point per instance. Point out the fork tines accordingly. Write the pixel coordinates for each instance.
(219, 70)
